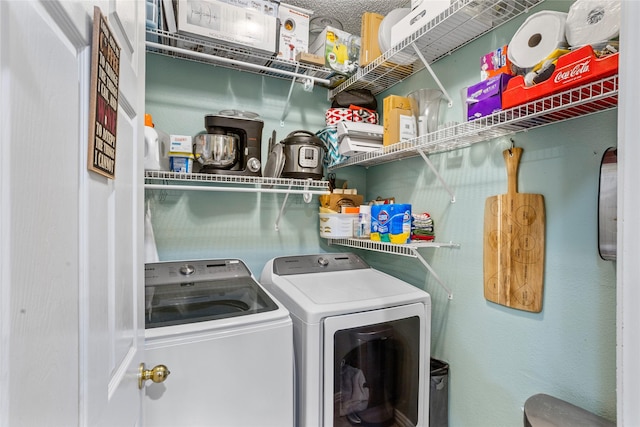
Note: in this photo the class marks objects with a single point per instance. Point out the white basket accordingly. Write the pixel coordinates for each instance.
(337, 225)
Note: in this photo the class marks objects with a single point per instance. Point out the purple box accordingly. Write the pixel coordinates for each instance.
(485, 98)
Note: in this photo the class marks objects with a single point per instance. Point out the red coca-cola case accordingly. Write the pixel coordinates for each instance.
(573, 69)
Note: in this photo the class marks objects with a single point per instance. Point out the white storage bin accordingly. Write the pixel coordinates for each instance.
(337, 225)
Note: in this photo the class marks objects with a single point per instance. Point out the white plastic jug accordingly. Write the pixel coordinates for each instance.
(156, 146)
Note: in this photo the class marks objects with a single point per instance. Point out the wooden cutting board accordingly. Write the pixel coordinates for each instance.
(514, 225)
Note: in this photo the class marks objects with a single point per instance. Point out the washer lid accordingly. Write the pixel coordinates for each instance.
(190, 302)
(186, 292)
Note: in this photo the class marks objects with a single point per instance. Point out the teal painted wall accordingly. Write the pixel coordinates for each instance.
(498, 356)
(189, 225)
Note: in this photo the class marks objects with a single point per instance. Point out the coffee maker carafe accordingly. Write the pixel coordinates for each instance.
(231, 145)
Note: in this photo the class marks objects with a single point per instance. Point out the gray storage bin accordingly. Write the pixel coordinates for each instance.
(439, 394)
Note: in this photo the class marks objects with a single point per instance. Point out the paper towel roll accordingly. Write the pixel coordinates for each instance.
(537, 38)
(591, 22)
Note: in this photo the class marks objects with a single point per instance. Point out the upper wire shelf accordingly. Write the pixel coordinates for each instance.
(590, 98)
(205, 51)
(463, 22)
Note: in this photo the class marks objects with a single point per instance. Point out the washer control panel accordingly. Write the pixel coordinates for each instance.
(308, 264)
(179, 271)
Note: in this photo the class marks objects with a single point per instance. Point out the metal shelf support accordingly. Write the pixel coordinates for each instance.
(435, 171)
(281, 213)
(433, 273)
(409, 249)
(437, 80)
(285, 112)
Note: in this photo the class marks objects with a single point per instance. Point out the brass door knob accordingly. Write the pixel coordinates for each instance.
(158, 374)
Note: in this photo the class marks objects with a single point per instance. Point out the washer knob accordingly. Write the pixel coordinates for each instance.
(187, 270)
(323, 261)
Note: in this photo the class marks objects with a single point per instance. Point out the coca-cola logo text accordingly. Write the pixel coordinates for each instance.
(576, 71)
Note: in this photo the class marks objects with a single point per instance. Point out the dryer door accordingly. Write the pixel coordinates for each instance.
(374, 367)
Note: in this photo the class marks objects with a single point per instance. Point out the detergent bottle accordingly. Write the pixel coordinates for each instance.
(156, 146)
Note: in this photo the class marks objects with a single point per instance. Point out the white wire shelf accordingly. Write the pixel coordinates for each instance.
(161, 180)
(463, 22)
(205, 51)
(588, 99)
(408, 250)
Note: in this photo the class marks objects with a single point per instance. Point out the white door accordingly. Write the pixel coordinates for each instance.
(628, 269)
(71, 253)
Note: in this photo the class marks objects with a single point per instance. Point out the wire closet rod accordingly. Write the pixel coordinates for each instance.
(236, 62)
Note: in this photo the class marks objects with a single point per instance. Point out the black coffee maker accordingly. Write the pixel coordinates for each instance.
(232, 144)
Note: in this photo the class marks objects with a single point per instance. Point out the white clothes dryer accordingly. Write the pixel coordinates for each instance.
(361, 338)
(227, 342)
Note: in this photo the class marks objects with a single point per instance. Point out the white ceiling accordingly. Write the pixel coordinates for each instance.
(348, 12)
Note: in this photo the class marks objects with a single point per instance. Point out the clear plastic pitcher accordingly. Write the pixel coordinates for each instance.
(426, 107)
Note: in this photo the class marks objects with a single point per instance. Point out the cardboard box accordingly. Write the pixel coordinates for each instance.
(340, 49)
(485, 98)
(392, 102)
(235, 26)
(335, 202)
(180, 144)
(494, 63)
(399, 125)
(294, 31)
(369, 48)
(398, 119)
(308, 58)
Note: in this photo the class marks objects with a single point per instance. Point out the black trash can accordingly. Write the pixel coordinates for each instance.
(439, 394)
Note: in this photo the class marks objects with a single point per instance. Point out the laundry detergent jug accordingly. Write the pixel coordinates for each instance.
(156, 146)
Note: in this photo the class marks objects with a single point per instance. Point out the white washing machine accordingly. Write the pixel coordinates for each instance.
(361, 338)
(226, 341)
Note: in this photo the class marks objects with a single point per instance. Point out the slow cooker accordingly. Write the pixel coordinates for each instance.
(303, 152)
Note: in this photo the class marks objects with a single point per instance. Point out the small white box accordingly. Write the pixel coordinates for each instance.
(425, 11)
(294, 31)
(229, 24)
(180, 144)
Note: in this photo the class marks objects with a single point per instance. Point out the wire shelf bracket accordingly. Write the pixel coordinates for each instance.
(435, 171)
(408, 250)
(433, 75)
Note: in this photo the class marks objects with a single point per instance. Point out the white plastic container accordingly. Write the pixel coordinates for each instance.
(182, 163)
(337, 225)
(156, 147)
(363, 229)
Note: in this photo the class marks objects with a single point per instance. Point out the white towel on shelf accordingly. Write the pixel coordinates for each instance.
(354, 395)
(150, 249)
